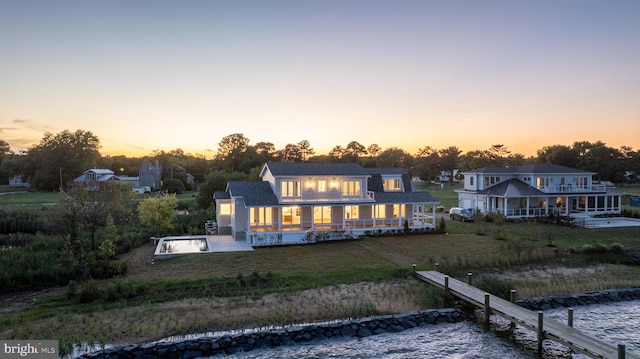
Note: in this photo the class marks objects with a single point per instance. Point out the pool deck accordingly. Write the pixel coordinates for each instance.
(215, 244)
(226, 244)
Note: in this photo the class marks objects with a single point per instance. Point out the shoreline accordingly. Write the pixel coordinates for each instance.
(224, 344)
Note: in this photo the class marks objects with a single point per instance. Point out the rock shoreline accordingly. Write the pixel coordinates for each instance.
(356, 328)
(587, 298)
(244, 342)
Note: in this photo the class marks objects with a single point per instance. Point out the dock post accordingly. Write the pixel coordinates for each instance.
(540, 333)
(414, 269)
(512, 299)
(487, 310)
(621, 351)
(570, 317)
(437, 264)
(469, 276)
(446, 283)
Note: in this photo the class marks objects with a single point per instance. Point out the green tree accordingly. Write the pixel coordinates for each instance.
(354, 150)
(499, 220)
(292, 153)
(107, 248)
(158, 212)
(59, 158)
(427, 163)
(395, 157)
(216, 181)
(231, 150)
(449, 160)
(557, 154)
(305, 150)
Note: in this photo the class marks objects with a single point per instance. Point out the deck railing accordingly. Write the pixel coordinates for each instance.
(569, 188)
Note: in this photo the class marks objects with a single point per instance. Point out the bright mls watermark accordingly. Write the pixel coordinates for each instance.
(29, 349)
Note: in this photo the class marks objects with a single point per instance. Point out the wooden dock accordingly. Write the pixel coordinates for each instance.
(546, 328)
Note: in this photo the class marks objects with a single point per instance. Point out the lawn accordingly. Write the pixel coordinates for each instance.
(16, 197)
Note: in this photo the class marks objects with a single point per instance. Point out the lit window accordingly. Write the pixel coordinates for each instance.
(225, 208)
(351, 188)
(322, 214)
(351, 212)
(290, 215)
(261, 216)
(290, 188)
(322, 186)
(380, 211)
(391, 184)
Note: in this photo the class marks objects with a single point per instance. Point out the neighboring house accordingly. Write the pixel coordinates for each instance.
(309, 202)
(17, 181)
(94, 179)
(536, 190)
(445, 176)
(150, 175)
(190, 179)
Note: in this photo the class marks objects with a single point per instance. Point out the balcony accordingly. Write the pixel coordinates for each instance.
(569, 188)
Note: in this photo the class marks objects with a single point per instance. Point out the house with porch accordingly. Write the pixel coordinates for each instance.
(537, 190)
(311, 202)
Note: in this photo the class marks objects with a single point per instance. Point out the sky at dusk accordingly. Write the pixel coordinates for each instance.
(146, 75)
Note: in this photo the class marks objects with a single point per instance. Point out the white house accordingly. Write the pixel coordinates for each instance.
(17, 181)
(309, 202)
(536, 190)
(93, 179)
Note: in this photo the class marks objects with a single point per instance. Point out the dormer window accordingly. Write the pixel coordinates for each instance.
(392, 184)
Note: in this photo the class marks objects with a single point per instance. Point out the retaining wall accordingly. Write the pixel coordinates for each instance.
(572, 300)
(358, 328)
(229, 344)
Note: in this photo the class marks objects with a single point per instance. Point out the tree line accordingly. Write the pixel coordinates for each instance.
(59, 158)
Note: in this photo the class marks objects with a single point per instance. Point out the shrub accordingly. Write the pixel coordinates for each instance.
(498, 287)
(616, 248)
(88, 291)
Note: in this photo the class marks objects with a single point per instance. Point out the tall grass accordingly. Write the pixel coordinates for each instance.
(31, 260)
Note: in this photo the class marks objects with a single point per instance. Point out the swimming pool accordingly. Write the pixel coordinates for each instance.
(171, 246)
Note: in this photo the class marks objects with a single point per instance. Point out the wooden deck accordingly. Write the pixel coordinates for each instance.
(551, 329)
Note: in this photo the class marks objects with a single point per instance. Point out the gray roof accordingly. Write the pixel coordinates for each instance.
(221, 195)
(512, 188)
(316, 169)
(254, 193)
(405, 197)
(385, 170)
(538, 168)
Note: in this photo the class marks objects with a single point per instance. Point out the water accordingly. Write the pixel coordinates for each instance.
(617, 323)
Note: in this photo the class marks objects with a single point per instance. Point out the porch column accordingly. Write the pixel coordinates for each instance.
(374, 214)
(433, 217)
(528, 204)
(606, 203)
(279, 214)
(505, 205)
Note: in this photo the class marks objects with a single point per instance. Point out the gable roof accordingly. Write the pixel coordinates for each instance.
(100, 171)
(512, 188)
(385, 170)
(315, 169)
(254, 193)
(537, 168)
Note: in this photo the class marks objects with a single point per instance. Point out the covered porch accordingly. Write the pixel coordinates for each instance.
(298, 224)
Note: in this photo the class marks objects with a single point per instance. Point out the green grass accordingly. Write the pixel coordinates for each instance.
(446, 195)
(188, 199)
(26, 198)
